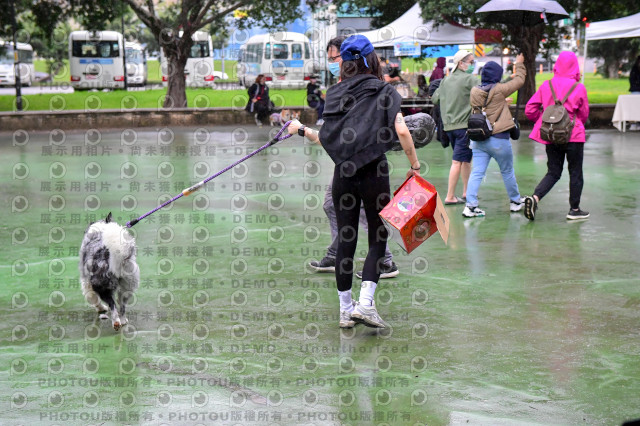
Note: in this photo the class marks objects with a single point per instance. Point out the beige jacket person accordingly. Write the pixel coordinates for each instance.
(497, 109)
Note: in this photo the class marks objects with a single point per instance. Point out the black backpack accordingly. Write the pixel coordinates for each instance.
(479, 128)
(557, 124)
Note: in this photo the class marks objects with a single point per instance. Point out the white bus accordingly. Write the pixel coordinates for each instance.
(136, 63)
(7, 68)
(283, 57)
(198, 71)
(96, 60)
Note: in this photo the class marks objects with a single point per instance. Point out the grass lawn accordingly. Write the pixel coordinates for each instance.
(600, 90)
(201, 98)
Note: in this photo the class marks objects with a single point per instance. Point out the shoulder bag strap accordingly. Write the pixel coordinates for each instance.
(553, 93)
(569, 92)
(486, 102)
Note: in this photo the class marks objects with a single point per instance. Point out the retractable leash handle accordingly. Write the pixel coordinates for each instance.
(190, 190)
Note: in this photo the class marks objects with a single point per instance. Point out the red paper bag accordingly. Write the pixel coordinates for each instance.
(414, 214)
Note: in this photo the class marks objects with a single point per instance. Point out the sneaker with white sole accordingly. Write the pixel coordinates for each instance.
(530, 208)
(386, 271)
(345, 318)
(367, 315)
(472, 212)
(327, 264)
(577, 214)
(516, 206)
(320, 122)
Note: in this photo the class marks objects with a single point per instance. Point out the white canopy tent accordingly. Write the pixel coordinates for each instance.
(410, 27)
(629, 26)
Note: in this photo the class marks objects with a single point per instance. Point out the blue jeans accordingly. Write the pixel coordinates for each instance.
(483, 152)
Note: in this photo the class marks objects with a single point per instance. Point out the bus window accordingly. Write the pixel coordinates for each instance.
(134, 56)
(280, 51)
(267, 51)
(6, 55)
(199, 50)
(296, 51)
(94, 49)
(25, 56)
(307, 55)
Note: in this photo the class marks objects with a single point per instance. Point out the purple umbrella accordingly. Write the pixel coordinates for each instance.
(522, 12)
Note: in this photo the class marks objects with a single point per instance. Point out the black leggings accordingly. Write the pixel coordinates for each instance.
(369, 184)
(574, 151)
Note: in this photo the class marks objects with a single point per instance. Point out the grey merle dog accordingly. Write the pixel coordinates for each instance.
(108, 269)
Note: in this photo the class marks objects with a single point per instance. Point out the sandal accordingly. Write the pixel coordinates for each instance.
(458, 201)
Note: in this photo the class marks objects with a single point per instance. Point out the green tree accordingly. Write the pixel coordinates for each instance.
(174, 24)
(615, 52)
(525, 39)
(171, 23)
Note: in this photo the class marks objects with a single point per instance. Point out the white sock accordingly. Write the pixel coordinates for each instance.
(366, 293)
(346, 301)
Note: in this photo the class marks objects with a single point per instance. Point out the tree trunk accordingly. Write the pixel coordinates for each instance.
(177, 52)
(176, 87)
(612, 66)
(527, 39)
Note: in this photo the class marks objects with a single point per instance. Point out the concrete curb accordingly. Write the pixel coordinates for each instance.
(123, 119)
(599, 117)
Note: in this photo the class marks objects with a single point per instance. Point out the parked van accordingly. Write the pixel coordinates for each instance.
(283, 57)
(136, 63)
(7, 68)
(96, 59)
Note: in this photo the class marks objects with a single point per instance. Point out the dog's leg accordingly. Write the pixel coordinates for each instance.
(107, 296)
(123, 299)
(93, 299)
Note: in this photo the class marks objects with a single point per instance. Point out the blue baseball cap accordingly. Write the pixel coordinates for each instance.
(356, 47)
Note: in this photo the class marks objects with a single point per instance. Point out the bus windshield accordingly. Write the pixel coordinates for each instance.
(200, 49)
(25, 56)
(6, 55)
(134, 56)
(95, 49)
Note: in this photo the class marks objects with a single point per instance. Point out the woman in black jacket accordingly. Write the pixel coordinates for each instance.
(259, 102)
(362, 118)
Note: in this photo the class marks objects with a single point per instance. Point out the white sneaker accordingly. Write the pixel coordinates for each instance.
(367, 315)
(320, 122)
(345, 318)
(515, 206)
(472, 212)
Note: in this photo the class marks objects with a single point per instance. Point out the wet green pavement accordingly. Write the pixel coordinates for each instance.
(514, 322)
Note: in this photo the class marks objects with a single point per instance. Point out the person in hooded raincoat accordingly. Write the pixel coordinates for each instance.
(498, 146)
(566, 72)
(438, 71)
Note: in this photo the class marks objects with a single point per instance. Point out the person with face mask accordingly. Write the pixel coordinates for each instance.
(356, 135)
(453, 98)
(328, 263)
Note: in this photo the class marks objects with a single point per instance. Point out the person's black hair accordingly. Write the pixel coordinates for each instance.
(422, 82)
(336, 42)
(351, 68)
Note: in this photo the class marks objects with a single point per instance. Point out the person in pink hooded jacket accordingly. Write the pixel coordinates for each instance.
(566, 72)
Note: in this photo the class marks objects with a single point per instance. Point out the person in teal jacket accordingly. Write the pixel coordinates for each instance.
(453, 97)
